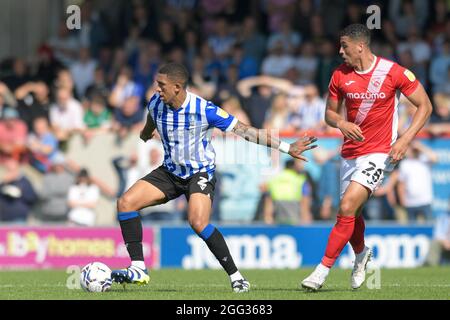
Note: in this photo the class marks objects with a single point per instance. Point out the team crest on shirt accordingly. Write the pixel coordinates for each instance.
(222, 113)
(411, 77)
(376, 82)
(192, 118)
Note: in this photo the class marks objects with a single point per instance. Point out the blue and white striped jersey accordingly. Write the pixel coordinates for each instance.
(186, 133)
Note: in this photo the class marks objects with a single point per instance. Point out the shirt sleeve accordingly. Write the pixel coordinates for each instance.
(153, 101)
(333, 87)
(405, 80)
(219, 118)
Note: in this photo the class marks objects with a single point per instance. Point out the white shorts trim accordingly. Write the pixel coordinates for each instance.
(367, 170)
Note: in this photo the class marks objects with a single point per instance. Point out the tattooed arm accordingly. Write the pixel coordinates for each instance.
(263, 137)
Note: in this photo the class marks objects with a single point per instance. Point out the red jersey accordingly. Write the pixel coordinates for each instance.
(371, 100)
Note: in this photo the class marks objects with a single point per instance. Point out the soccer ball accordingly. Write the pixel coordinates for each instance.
(96, 277)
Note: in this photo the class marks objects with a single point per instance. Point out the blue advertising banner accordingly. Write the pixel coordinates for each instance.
(265, 247)
(440, 172)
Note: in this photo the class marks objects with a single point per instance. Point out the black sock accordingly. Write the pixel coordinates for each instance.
(216, 243)
(132, 236)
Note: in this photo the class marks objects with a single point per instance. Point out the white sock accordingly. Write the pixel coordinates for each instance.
(236, 276)
(139, 264)
(323, 269)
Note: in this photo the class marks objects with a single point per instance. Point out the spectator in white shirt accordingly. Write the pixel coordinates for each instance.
(277, 63)
(83, 199)
(415, 183)
(66, 115)
(419, 48)
(83, 72)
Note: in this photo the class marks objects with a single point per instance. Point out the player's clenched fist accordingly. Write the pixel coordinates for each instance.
(350, 130)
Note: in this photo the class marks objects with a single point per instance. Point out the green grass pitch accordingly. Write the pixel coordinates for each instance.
(174, 284)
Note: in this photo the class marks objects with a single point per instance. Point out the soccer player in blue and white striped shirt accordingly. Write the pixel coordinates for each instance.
(185, 122)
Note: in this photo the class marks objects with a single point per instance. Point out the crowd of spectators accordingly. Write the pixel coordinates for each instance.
(267, 62)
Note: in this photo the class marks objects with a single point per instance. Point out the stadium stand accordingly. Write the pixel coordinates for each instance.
(287, 48)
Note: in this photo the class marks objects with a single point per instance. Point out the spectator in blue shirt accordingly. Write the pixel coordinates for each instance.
(246, 65)
(329, 186)
(439, 251)
(42, 144)
(129, 118)
(439, 69)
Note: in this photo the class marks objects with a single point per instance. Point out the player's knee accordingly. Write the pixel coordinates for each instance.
(347, 208)
(124, 204)
(198, 224)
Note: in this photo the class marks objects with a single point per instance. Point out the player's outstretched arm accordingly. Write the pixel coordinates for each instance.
(147, 132)
(263, 137)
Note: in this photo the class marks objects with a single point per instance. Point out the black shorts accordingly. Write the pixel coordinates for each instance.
(173, 186)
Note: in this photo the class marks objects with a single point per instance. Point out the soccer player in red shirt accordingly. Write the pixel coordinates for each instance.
(370, 87)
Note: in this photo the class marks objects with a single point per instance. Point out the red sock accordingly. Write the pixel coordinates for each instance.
(339, 236)
(357, 239)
